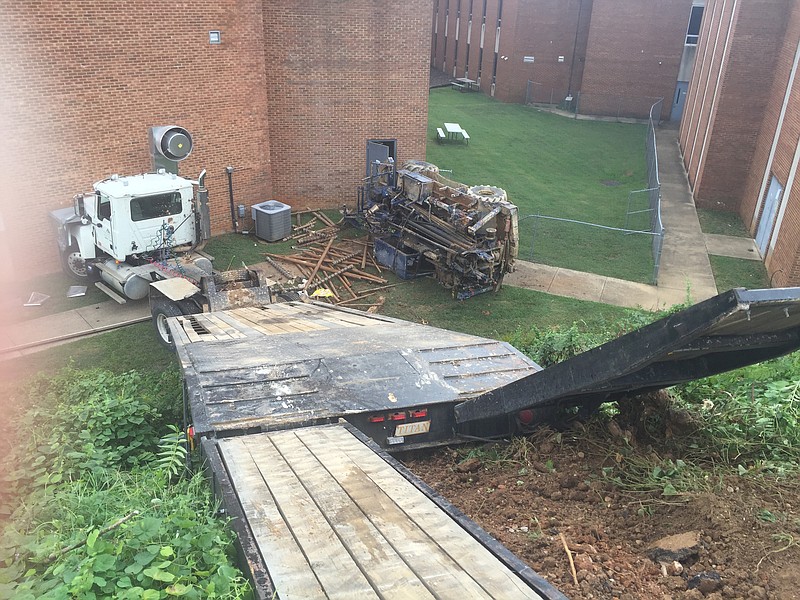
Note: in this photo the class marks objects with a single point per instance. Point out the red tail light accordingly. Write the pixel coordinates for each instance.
(376, 419)
(417, 414)
(398, 416)
(525, 416)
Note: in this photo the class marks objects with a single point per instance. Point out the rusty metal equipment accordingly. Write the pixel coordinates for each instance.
(467, 236)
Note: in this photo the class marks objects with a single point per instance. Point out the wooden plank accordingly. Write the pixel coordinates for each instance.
(211, 327)
(418, 547)
(218, 326)
(186, 325)
(330, 561)
(241, 325)
(297, 321)
(451, 539)
(383, 567)
(261, 318)
(290, 574)
(243, 315)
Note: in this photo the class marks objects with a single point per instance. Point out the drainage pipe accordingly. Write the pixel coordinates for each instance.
(229, 171)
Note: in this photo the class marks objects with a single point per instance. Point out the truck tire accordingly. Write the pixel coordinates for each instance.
(160, 312)
(74, 265)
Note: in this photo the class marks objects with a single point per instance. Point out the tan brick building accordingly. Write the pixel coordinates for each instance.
(287, 98)
(611, 57)
(741, 126)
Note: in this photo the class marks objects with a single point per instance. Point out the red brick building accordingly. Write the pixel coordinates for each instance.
(287, 98)
(739, 135)
(610, 57)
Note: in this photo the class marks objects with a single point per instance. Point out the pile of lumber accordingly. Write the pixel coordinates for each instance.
(337, 272)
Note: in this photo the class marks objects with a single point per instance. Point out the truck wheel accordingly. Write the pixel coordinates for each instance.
(160, 312)
(74, 265)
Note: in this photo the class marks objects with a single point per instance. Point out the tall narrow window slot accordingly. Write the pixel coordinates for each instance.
(693, 31)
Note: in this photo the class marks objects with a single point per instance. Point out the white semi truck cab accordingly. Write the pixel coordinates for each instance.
(130, 231)
(136, 237)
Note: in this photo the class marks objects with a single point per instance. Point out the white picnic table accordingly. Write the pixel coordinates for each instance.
(454, 131)
(470, 83)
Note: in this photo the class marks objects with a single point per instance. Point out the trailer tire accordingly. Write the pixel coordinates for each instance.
(162, 310)
(73, 264)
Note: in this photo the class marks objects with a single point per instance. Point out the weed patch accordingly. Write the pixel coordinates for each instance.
(104, 507)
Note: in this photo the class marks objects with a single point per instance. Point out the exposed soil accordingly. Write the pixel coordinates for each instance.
(554, 485)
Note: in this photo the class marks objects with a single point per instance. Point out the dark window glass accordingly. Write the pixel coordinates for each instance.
(154, 207)
(104, 208)
(693, 32)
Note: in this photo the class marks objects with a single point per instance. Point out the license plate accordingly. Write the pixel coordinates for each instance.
(412, 428)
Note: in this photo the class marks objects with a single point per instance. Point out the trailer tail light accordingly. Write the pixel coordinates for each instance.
(398, 416)
(376, 419)
(419, 414)
(525, 416)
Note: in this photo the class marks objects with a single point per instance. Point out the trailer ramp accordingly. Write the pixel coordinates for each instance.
(331, 516)
(734, 329)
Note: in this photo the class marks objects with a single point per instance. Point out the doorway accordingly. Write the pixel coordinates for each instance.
(678, 100)
(767, 222)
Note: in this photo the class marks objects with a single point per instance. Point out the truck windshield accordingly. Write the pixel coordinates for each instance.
(154, 207)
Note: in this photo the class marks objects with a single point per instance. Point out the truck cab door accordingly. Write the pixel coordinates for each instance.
(103, 230)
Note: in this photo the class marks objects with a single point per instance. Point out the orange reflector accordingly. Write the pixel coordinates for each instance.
(525, 416)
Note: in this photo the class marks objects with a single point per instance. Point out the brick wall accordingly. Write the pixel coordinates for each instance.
(545, 30)
(339, 73)
(783, 260)
(633, 55)
(82, 82)
(731, 135)
(604, 60)
(741, 98)
(289, 109)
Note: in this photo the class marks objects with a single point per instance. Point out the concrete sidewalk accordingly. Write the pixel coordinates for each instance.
(23, 337)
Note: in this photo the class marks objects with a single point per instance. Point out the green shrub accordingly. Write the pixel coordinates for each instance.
(107, 509)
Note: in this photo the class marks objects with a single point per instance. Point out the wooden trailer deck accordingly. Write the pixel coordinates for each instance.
(297, 364)
(332, 518)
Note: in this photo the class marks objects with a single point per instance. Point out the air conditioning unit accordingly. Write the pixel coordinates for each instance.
(273, 220)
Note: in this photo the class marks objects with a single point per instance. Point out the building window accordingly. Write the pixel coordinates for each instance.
(693, 32)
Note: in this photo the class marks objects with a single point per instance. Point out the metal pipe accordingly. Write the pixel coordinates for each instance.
(229, 171)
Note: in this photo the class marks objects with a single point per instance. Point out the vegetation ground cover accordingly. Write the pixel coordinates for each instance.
(98, 500)
(721, 222)
(551, 165)
(738, 272)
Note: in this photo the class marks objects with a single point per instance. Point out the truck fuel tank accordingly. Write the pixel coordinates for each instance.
(124, 279)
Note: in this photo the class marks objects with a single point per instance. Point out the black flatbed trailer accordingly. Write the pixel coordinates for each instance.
(296, 404)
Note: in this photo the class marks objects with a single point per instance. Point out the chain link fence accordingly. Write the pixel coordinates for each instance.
(620, 107)
(632, 251)
(592, 104)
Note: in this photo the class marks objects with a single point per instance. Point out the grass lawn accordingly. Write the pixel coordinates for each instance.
(721, 222)
(492, 315)
(555, 166)
(731, 273)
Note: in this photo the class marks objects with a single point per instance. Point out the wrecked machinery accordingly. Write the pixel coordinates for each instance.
(423, 222)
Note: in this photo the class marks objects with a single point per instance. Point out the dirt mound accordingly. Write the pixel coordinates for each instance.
(740, 538)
